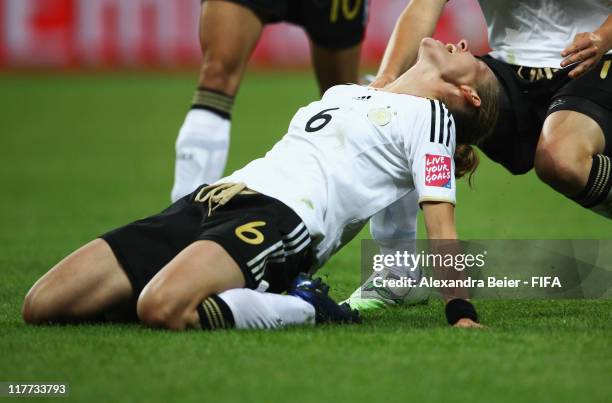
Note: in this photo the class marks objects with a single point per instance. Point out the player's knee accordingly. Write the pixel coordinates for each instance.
(156, 309)
(220, 75)
(37, 305)
(29, 308)
(558, 167)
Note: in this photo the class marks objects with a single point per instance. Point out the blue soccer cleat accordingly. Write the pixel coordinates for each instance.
(315, 292)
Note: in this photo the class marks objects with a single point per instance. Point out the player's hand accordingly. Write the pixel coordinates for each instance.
(381, 81)
(466, 323)
(587, 49)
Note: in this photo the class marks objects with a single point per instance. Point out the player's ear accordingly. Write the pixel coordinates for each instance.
(470, 95)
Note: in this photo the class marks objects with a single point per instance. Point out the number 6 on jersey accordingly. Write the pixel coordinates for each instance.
(325, 117)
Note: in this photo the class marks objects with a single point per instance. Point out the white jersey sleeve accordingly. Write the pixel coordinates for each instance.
(433, 167)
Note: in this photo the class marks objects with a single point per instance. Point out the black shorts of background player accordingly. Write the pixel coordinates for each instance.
(557, 122)
(532, 96)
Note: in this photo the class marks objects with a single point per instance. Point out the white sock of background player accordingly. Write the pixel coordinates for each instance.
(203, 142)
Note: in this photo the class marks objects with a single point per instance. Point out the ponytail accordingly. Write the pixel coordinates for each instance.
(466, 161)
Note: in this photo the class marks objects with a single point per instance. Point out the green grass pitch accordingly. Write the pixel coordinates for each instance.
(82, 154)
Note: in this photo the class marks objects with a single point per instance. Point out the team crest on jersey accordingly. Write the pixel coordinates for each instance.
(438, 171)
(380, 116)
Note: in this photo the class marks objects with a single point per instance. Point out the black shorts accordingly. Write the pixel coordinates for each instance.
(529, 95)
(330, 24)
(265, 237)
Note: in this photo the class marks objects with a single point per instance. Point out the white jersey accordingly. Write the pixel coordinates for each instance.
(351, 155)
(534, 32)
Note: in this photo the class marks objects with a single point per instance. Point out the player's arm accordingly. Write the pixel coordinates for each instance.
(433, 176)
(442, 233)
(439, 220)
(588, 48)
(417, 21)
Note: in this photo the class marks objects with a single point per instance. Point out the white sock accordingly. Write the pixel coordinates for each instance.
(263, 310)
(201, 151)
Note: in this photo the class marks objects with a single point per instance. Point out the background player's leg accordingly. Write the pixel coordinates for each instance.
(192, 290)
(394, 229)
(228, 35)
(85, 284)
(335, 66)
(569, 158)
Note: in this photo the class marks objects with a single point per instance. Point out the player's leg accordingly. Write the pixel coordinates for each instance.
(113, 270)
(336, 30)
(228, 35)
(335, 66)
(185, 293)
(203, 288)
(564, 155)
(574, 149)
(571, 158)
(253, 241)
(394, 229)
(252, 309)
(171, 299)
(82, 286)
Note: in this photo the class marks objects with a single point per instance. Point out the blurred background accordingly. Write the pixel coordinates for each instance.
(94, 34)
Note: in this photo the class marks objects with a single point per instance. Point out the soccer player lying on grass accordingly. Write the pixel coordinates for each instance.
(221, 256)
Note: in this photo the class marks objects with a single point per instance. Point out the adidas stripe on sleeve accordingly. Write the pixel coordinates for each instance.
(433, 168)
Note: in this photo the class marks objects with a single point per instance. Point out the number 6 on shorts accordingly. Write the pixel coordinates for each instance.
(249, 228)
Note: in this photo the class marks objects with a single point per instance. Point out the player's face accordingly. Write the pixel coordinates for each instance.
(454, 61)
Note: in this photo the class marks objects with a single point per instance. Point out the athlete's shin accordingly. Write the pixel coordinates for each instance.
(562, 169)
(243, 308)
(571, 155)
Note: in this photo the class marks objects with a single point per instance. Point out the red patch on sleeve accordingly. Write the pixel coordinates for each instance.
(438, 170)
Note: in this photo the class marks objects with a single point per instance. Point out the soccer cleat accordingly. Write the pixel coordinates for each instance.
(315, 292)
(368, 297)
